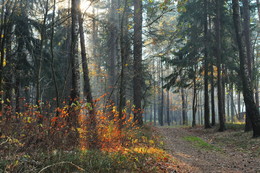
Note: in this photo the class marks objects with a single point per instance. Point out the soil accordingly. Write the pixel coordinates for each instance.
(227, 159)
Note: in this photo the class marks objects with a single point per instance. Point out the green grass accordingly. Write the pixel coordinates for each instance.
(200, 143)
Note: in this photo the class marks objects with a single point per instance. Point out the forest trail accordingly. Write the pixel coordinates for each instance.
(210, 159)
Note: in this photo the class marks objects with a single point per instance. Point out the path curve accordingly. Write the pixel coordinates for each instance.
(202, 160)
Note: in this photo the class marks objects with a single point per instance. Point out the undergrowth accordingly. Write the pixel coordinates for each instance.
(54, 147)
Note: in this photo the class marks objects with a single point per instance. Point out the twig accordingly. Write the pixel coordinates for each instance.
(4, 141)
(79, 168)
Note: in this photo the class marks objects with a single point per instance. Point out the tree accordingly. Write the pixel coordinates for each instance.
(247, 39)
(251, 108)
(92, 135)
(137, 80)
(74, 60)
(219, 60)
(206, 67)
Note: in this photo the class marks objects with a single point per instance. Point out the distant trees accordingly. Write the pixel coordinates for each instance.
(158, 58)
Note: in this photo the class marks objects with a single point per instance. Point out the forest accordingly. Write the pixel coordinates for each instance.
(129, 86)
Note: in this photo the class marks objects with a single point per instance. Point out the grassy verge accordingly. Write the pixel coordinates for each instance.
(234, 138)
(198, 142)
(240, 141)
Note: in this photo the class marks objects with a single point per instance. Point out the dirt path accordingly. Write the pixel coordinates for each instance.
(209, 161)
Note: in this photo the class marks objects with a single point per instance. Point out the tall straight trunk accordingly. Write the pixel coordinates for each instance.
(213, 114)
(74, 60)
(9, 75)
(184, 108)
(112, 49)
(251, 109)
(17, 95)
(238, 102)
(232, 102)
(52, 60)
(138, 62)
(224, 73)
(2, 53)
(154, 104)
(40, 61)
(159, 93)
(257, 81)
(124, 57)
(206, 64)
(154, 111)
(151, 113)
(228, 106)
(201, 109)
(168, 108)
(258, 8)
(194, 101)
(221, 114)
(92, 126)
(246, 32)
(162, 97)
(198, 107)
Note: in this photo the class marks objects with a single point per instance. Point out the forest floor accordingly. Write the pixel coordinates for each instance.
(201, 150)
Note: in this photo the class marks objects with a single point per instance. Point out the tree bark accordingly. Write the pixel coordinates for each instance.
(184, 108)
(40, 61)
(213, 116)
(52, 60)
(194, 101)
(251, 109)
(74, 60)
(206, 64)
(162, 97)
(168, 108)
(246, 32)
(219, 60)
(138, 62)
(124, 57)
(92, 135)
(258, 8)
(112, 51)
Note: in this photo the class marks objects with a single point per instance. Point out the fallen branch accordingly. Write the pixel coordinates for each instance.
(60, 163)
(4, 141)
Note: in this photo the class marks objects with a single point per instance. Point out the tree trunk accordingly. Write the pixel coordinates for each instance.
(74, 60)
(154, 93)
(219, 60)
(184, 108)
(124, 57)
(251, 109)
(213, 116)
(258, 8)
(232, 103)
(40, 61)
(194, 101)
(168, 108)
(52, 60)
(92, 136)
(162, 97)
(138, 62)
(206, 64)
(112, 51)
(246, 32)
(228, 106)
